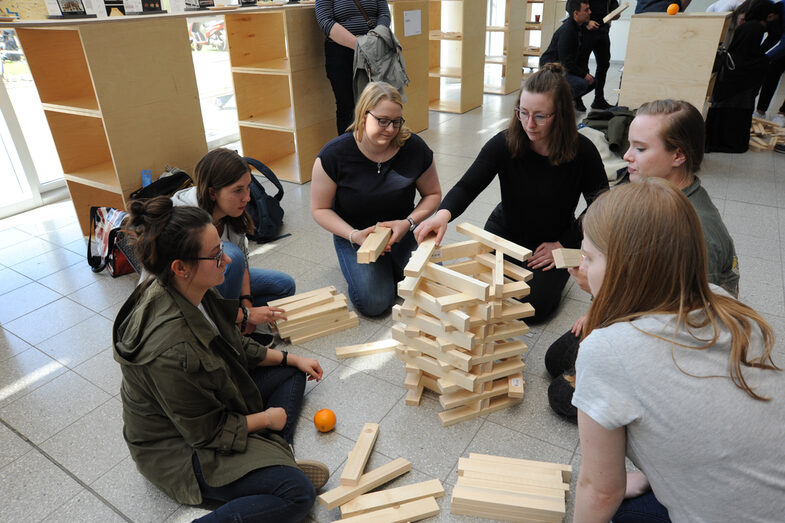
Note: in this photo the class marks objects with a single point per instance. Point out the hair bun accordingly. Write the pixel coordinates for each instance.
(554, 67)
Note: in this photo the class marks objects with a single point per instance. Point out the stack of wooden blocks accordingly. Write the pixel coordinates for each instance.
(509, 489)
(457, 324)
(408, 503)
(765, 135)
(314, 314)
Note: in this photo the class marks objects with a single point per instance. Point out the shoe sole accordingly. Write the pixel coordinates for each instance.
(316, 471)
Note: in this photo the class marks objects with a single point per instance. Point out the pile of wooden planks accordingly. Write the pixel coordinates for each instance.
(764, 135)
(397, 505)
(509, 489)
(314, 314)
(457, 324)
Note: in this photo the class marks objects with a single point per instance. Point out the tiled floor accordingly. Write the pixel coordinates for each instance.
(62, 457)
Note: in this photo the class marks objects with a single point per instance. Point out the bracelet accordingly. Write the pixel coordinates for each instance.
(352, 234)
(285, 356)
(246, 297)
(244, 323)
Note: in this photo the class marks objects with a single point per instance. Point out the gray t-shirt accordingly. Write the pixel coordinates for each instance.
(710, 451)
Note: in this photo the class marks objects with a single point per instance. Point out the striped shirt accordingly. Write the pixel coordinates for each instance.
(346, 13)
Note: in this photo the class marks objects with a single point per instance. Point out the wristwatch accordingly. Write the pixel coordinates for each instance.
(244, 323)
(411, 222)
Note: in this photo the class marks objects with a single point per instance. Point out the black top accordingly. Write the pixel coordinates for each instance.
(369, 192)
(564, 49)
(538, 200)
(346, 13)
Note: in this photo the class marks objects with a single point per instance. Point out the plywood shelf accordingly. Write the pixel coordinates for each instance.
(280, 120)
(445, 35)
(274, 66)
(86, 106)
(448, 106)
(497, 28)
(495, 59)
(101, 176)
(445, 72)
(415, 50)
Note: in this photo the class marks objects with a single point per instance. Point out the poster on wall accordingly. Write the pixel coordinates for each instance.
(68, 9)
(192, 5)
(133, 7)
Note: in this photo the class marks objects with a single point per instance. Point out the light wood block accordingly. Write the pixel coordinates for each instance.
(407, 286)
(458, 359)
(374, 245)
(497, 242)
(515, 385)
(457, 281)
(451, 417)
(496, 472)
(527, 505)
(430, 365)
(564, 258)
(511, 270)
(365, 349)
(564, 470)
(368, 481)
(348, 323)
(358, 456)
(465, 397)
(420, 257)
(616, 12)
(410, 511)
(454, 251)
(282, 302)
(414, 396)
(391, 497)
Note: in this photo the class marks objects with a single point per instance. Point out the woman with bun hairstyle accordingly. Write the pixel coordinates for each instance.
(208, 414)
(223, 189)
(544, 166)
(672, 373)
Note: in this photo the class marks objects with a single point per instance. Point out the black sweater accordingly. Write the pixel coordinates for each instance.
(564, 48)
(538, 200)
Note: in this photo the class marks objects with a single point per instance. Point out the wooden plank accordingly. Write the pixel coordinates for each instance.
(456, 280)
(456, 358)
(509, 330)
(301, 296)
(307, 327)
(365, 349)
(513, 310)
(616, 12)
(451, 417)
(509, 248)
(465, 508)
(516, 289)
(307, 303)
(407, 286)
(454, 251)
(498, 275)
(390, 497)
(410, 511)
(459, 319)
(502, 370)
(501, 351)
(351, 321)
(432, 326)
(430, 365)
(497, 472)
(465, 397)
(526, 505)
(511, 270)
(336, 302)
(564, 469)
(564, 258)
(358, 456)
(374, 245)
(420, 257)
(414, 396)
(368, 481)
(515, 385)
(512, 487)
(543, 484)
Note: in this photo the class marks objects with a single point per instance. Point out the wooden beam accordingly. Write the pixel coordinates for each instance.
(564, 469)
(465, 397)
(509, 248)
(511, 270)
(616, 12)
(498, 275)
(564, 258)
(496, 472)
(515, 385)
(301, 296)
(501, 351)
(374, 245)
(533, 506)
(351, 321)
(456, 358)
(411, 511)
(456, 280)
(451, 417)
(407, 286)
(390, 497)
(428, 364)
(365, 349)
(358, 456)
(414, 396)
(420, 257)
(513, 487)
(454, 251)
(368, 481)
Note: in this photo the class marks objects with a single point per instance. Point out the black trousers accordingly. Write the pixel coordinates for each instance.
(339, 64)
(770, 83)
(599, 43)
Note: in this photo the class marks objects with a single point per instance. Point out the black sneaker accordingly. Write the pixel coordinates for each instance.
(579, 106)
(265, 340)
(600, 103)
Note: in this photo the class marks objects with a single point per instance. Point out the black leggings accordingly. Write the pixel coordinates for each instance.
(599, 43)
(339, 64)
(770, 83)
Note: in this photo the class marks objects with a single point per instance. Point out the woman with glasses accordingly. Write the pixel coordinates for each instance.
(368, 177)
(223, 189)
(208, 414)
(544, 166)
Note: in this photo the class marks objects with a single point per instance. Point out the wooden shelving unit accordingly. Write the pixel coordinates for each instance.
(115, 109)
(504, 43)
(415, 55)
(283, 96)
(537, 34)
(456, 55)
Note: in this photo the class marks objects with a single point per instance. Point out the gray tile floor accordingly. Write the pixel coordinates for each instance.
(62, 457)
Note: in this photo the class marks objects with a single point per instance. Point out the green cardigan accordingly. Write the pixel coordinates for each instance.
(186, 389)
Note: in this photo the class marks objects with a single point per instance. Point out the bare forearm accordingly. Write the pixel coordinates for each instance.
(258, 421)
(329, 220)
(340, 35)
(425, 207)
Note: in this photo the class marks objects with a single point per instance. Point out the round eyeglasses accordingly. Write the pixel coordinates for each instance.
(385, 122)
(539, 118)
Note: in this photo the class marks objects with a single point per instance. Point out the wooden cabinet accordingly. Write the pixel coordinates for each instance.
(119, 96)
(537, 33)
(415, 55)
(285, 106)
(504, 45)
(456, 55)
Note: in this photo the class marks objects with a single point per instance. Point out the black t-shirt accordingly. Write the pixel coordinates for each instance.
(369, 192)
(538, 200)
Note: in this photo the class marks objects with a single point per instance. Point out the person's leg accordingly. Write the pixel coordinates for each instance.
(602, 54)
(372, 287)
(561, 355)
(339, 64)
(579, 86)
(269, 285)
(233, 274)
(276, 493)
(560, 393)
(770, 83)
(643, 509)
(282, 387)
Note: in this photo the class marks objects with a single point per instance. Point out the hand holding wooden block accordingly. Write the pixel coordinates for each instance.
(374, 245)
(564, 258)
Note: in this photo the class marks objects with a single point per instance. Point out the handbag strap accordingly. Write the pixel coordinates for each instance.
(268, 173)
(95, 262)
(365, 14)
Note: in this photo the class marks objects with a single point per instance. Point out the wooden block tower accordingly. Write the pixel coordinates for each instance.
(457, 323)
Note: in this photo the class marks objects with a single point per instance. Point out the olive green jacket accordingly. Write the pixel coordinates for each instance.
(186, 389)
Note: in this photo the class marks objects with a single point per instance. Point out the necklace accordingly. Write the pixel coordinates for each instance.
(378, 167)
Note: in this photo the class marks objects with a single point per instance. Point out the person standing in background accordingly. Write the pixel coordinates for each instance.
(597, 40)
(342, 22)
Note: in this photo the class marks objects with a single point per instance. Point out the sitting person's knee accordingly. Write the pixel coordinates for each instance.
(235, 253)
(373, 301)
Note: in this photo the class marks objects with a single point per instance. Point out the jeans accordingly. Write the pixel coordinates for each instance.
(282, 387)
(643, 509)
(339, 64)
(373, 286)
(266, 285)
(578, 85)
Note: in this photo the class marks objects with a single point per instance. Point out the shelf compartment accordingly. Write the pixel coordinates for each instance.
(533, 26)
(256, 38)
(495, 59)
(444, 35)
(101, 176)
(264, 100)
(86, 196)
(276, 149)
(444, 72)
(80, 141)
(496, 28)
(274, 66)
(58, 64)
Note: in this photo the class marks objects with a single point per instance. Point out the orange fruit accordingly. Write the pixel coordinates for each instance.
(673, 9)
(324, 420)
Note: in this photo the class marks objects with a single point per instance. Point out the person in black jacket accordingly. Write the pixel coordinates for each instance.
(565, 47)
(596, 39)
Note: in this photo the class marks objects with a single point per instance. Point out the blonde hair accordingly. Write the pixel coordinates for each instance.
(374, 93)
(656, 263)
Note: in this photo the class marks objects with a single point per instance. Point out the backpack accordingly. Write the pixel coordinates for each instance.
(106, 224)
(265, 210)
(171, 181)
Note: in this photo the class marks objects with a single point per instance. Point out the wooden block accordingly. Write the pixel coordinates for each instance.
(335, 303)
(513, 310)
(526, 505)
(470, 480)
(454, 251)
(420, 257)
(613, 14)
(302, 296)
(348, 323)
(368, 481)
(309, 325)
(465, 397)
(408, 308)
(432, 326)
(516, 289)
(458, 319)
(564, 470)
(413, 378)
(508, 330)
(454, 358)
(451, 417)
(501, 351)
(359, 455)
(564, 258)
(511, 270)
(374, 245)
(497, 242)
(457, 281)
(307, 303)
(390, 497)
(515, 385)
(364, 349)
(407, 286)
(414, 396)
(471, 268)
(498, 275)
(496, 472)
(428, 364)
(410, 511)
(502, 370)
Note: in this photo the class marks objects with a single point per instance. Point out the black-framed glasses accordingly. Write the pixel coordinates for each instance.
(385, 122)
(218, 258)
(539, 118)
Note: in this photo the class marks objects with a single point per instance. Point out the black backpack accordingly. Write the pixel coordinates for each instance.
(265, 210)
(171, 181)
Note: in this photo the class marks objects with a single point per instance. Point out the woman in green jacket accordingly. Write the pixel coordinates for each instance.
(208, 413)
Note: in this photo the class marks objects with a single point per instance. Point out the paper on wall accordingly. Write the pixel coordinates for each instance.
(412, 22)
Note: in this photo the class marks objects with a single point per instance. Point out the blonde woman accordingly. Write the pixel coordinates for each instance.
(369, 176)
(673, 373)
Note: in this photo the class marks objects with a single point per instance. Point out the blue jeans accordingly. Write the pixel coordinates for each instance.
(643, 509)
(282, 387)
(579, 86)
(266, 285)
(373, 286)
